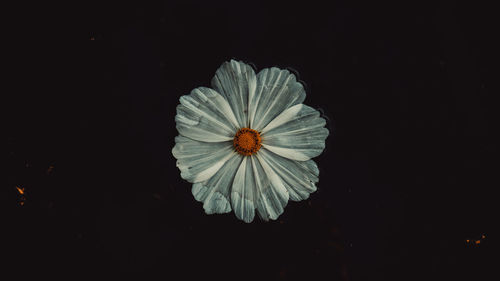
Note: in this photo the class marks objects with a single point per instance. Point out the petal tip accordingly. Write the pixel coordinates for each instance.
(244, 208)
(217, 203)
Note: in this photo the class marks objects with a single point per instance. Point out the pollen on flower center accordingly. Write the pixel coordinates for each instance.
(247, 141)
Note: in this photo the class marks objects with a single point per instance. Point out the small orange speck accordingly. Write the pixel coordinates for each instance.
(483, 236)
(467, 240)
(478, 242)
(20, 189)
(21, 203)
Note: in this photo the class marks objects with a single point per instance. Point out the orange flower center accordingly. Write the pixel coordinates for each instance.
(247, 141)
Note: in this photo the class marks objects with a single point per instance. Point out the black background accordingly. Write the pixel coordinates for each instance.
(406, 178)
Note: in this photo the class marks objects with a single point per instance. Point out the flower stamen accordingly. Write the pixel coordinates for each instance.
(247, 141)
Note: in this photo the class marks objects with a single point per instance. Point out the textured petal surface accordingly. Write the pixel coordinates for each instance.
(205, 115)
(272, 194)
(292, 133)
(244, 191)
(236, 81)
(298, 133)
(299, 177)
(277, 90)
(197, 160)
(215, 191)
(256, 186)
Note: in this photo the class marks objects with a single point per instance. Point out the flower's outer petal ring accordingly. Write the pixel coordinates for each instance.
(299, 177)
(205, 115)
(198, 161)
(214, 192)
(298, 133)
(277, 90)
(236, 81)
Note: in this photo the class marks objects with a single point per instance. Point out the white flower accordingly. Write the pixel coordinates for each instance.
(247, 143)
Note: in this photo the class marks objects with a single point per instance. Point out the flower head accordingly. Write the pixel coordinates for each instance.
(247, 143)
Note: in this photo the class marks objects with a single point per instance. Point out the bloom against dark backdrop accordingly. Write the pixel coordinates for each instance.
(405, 178)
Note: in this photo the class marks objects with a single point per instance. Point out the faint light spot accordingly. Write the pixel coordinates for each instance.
(20, 190)
(22, 199)
(92, 38)
(50, 169)
(476, 242)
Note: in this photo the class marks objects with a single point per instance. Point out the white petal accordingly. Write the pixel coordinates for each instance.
(299, 177)
(214, 192)
(189, 149)
(236, 81)
(298, 133)
(277, 90)
(256, 185)
(244, 191)
(205, 115)
(272, 194)
(198, 161)
(199, 191)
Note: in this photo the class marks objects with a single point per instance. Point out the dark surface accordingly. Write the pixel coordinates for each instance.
(406, 178)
